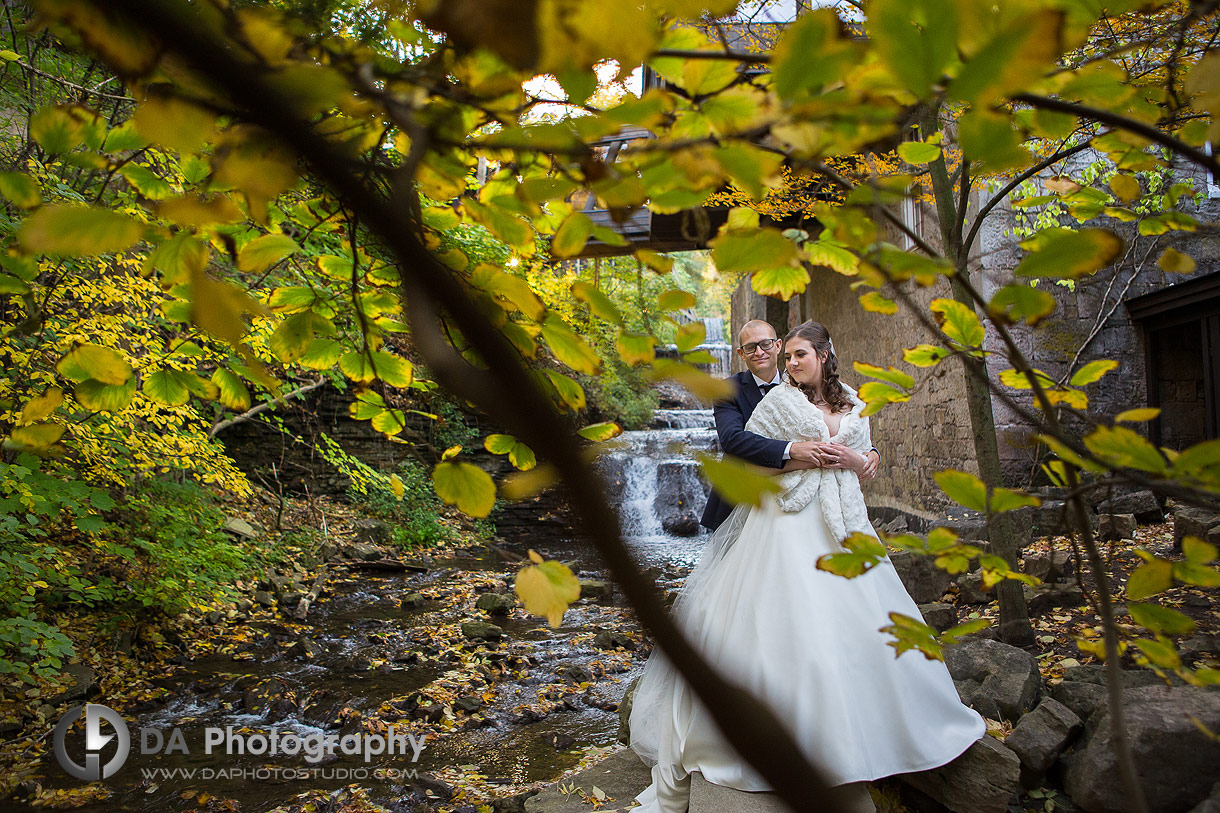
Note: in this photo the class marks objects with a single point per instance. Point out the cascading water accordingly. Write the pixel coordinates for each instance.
(660, 493)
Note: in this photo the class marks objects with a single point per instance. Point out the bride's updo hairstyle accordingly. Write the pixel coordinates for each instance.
(819, 337)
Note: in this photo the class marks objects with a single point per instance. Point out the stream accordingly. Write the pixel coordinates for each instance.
(384, 649)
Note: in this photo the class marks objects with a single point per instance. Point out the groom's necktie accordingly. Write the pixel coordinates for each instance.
(766, 388)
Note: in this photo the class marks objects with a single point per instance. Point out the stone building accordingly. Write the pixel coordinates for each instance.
(1163, 329)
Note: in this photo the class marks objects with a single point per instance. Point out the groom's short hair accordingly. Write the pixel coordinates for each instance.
(756, 323)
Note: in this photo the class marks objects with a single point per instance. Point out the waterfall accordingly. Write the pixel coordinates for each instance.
(654, 479)
(714, 345)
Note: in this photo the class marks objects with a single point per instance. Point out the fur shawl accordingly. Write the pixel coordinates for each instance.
(786, 413)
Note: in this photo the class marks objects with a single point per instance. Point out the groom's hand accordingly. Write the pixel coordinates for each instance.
(810, 451)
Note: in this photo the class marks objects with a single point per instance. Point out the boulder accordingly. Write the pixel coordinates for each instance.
(996, 680)
(371, 532)
(482, 631)
(620, 777)
(1040, 737)
(982, 780)
(1083, 689)
(306, 648)
(264, 598)
(1191, 521)
(1043, 600)
(1115, 526)
(1051, 518)
(412, 601)
(1177, 763)
(596, 590)
(624, 713)
(970, 526)
(82, 686)
(938, 616)
(970, 589)
(680, 499)
(240, 528)
(1142, 503)
(614, 640)
(496, 603)
(922, 578)
(1211, 804)
(1051, 567)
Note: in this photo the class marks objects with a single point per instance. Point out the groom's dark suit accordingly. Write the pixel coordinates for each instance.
(731, 416)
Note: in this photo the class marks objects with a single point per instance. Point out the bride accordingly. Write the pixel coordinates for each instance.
(805, 641)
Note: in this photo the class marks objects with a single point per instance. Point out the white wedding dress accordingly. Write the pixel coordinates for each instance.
(805, 641)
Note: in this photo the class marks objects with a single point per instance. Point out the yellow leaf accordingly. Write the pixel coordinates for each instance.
(263, 252)
(74, 231)
(1125, 187)
(41, 406)
(195, 211)
(218, 307)
(397, 487)
(36, 437)
(465, 485)
(91, 361)
(1173, 261)
(547, 588)
(174, 123)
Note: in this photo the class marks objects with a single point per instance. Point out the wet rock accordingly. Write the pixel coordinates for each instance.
(482, 631)
(212, 617)
(1191, 521)
(614, 640)
(560, 740)
(82, 686)
(1052, 567)
(328, 552)
(575, 673)
(997, 680)
(1177, 763)
(264, 598)
(596, 590)
(680, 498)
(496, 603)
(1040, 737)
(982, 780)
(469, 703)
(245, 605)
(621, 776)
(624, 713)
(240, 528)
(1142, 503)
(262, 696)
(1112, 527)
(431, 712)
(922, 578)
(412, 601)
(306, 648)
(938, 616)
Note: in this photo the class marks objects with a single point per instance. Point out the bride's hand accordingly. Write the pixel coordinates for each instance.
(839, 456)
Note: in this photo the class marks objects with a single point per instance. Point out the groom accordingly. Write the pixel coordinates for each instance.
(759, 348)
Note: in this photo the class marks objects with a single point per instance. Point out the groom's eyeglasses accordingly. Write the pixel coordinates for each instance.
(753, 347)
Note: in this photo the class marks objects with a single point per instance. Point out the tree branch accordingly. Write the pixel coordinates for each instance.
(248, 414)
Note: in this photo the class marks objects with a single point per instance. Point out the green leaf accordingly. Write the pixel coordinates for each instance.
(1120, 446)
(393, 370)
(389, 421)
(877, 394)
(1093, 371)
(783, 282)
(146, 182)
(174, 123)
(958, 321)
(690, 336)
(918, 152)
(863, 553)
(924, 355)
(1149, 579)
(57, 129)
(75, 231)
(102, 397)
(322, 354)
(1004, 499)
(511, 288)
(1021, 302)
(292, 337)
(913, 634)
(86, 361)
(36, 437)
(569, 348)
(874, 302)
(599, 304)
(753, 250)
(571, 394)
(1137, 415)
(890, 374)
(1071, 254)
(833, 256)
(292, 299)
(675, 300)
(963, 488)
(465, 485)
(636, 349)
(520, 455)
(571, 236)
(1198, 552)
(990, 140)
(355, 365)
(1163, 620)
(546, 588)
(1125, 187)
(20, 189)
(165, 388)
(917, 39)
(505, 225)
(735, 481)
(1160, 653)
(265, 251)
(232, 390)
(600, 432)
